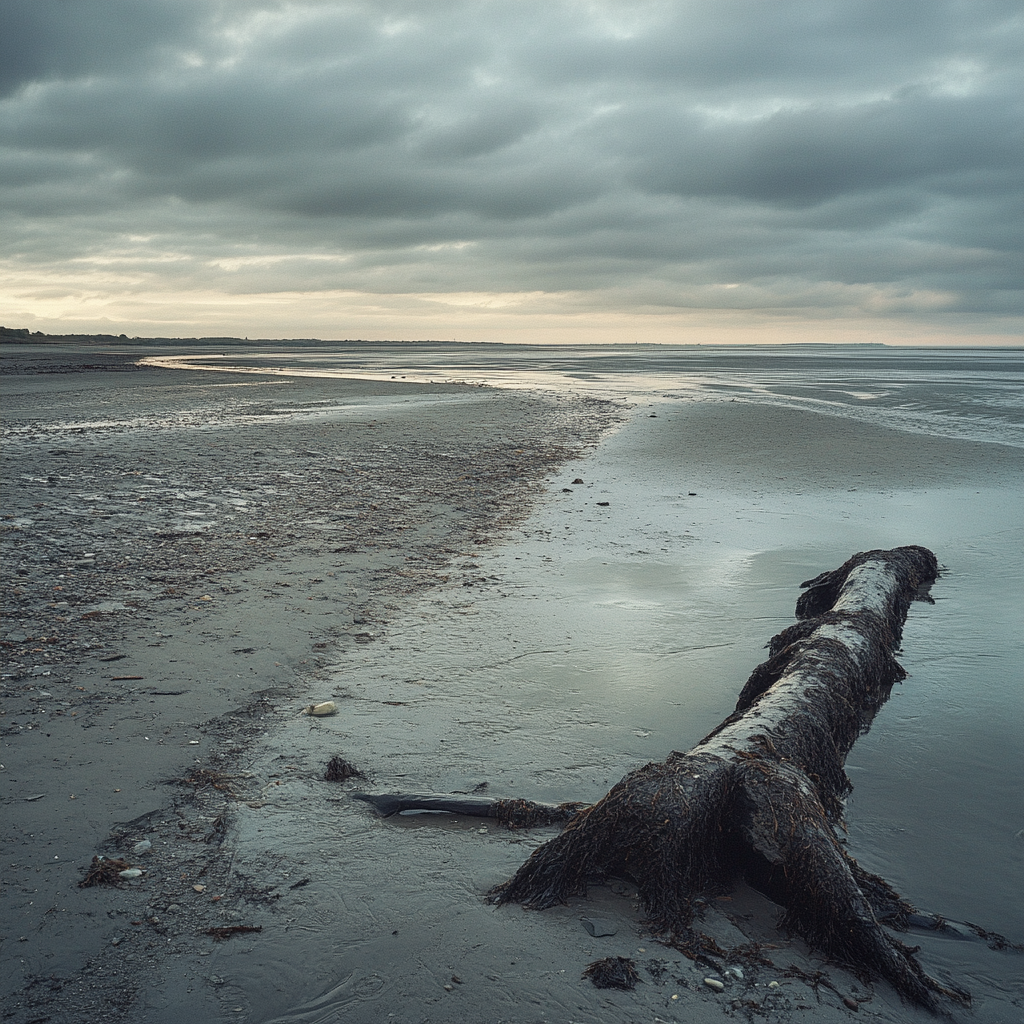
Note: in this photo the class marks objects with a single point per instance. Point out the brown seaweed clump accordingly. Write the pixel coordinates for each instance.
(338, 770)
(517, 813)
(612, 972)
(104, 871)
(228, 931)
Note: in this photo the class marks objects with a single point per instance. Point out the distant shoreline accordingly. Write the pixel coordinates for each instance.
(19, 336)
(23, 336)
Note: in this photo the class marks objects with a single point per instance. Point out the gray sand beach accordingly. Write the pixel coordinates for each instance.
(521, 592)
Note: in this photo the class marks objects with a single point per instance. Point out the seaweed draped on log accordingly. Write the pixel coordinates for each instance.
(763, 792)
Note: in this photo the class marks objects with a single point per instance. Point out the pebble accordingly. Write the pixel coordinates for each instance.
(715, 984)
(129, 873)
(142, 847)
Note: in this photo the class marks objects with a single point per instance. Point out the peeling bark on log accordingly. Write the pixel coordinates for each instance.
(761, 794)
(764, 790)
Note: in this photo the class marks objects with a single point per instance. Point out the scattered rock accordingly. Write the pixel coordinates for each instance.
(714, 983)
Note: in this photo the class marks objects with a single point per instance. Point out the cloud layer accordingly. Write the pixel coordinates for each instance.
(189, 166)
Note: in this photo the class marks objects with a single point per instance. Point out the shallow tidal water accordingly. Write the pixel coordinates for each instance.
(604, 636)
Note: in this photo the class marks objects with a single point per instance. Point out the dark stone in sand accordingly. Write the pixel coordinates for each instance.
(598, 926)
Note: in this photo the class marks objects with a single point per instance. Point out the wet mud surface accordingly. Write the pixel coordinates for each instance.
(183, 554)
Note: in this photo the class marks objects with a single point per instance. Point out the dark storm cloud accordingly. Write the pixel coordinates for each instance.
(804, 158)
(647, 153)
(47, 40)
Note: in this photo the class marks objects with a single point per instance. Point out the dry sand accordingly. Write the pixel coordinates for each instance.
(465, 644)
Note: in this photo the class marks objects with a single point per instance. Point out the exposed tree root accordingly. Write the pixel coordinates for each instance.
(510, 813)
(761, 794)
(764, 790)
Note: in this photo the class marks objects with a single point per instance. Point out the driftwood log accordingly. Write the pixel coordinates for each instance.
(762, 794)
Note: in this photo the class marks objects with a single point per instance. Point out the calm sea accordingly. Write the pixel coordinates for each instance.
(975, 393)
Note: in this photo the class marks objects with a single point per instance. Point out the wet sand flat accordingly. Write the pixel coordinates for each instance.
(614, 623)
(181, 552)
(605, 635)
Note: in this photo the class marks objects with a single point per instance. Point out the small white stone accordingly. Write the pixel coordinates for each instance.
(327, 707)
(714, 983)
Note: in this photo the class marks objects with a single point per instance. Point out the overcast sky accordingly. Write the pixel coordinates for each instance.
(698, 170)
